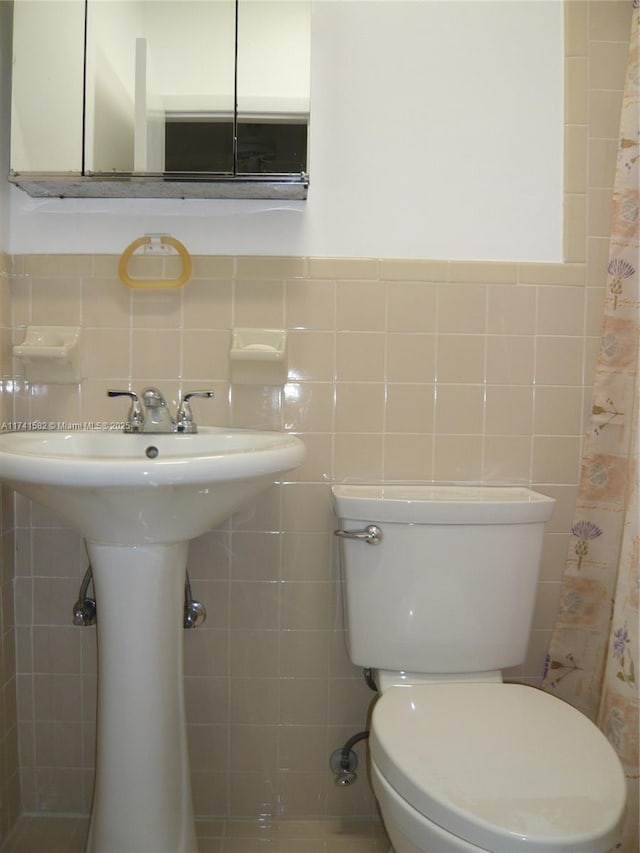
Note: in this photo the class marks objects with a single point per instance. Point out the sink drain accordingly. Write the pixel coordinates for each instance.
(152, 452)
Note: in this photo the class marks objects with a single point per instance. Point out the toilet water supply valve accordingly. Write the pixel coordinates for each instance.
(85, 610)
(344, 761)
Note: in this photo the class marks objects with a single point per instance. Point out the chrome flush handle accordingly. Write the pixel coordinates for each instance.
(371, 534)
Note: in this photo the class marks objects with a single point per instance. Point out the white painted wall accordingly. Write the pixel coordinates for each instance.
(436, 131)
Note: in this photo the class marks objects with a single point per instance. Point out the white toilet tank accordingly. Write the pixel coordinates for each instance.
(450, 586)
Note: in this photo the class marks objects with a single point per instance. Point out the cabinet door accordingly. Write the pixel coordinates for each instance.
(160, 86)
(46, 104)
(273, 69)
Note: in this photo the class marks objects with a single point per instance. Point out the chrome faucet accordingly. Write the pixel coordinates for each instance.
(157, 417)
(150, 413)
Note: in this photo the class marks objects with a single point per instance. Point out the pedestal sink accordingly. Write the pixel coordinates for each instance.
(137, 500)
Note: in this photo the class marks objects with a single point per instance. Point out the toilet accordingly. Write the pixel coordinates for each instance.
(439, 589)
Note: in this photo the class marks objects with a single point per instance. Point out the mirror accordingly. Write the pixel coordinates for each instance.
(161, 98)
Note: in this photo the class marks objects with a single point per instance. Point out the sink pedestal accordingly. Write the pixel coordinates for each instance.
(142, 795)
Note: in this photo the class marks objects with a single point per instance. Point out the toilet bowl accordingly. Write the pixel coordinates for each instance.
(497, 767)
(439, 589)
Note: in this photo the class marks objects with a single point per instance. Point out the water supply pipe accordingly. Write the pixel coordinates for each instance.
(344, 761)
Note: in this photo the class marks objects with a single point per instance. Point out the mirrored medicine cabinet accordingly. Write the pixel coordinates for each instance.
(161, 98)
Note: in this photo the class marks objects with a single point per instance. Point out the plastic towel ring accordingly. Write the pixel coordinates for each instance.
(150, 283)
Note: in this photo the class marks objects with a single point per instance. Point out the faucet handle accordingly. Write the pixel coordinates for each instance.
(184, 418)
(135, 418)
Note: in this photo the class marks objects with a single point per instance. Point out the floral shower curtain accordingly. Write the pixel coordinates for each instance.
(594, 654)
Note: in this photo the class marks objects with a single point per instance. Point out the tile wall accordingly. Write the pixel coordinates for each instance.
(403, 370)
(9, 769)
(397, 371)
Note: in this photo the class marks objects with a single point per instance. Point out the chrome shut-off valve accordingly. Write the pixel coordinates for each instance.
(84, 610)
(194, 611)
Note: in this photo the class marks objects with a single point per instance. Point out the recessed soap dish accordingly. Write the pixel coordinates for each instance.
(51, 354)
(258, 357)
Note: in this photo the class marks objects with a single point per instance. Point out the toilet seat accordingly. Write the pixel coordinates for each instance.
(503, 766)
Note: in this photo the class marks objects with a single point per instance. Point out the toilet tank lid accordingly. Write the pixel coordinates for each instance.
(436, 504)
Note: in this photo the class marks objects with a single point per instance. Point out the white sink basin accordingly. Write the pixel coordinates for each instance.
(145, 488)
